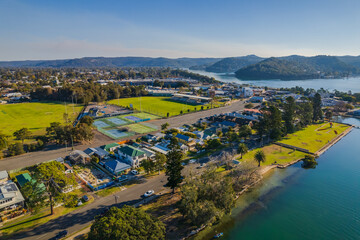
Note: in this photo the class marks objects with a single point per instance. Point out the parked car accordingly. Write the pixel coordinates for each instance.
(61, 234)
(192, 161)
(149, 193)
(85, 198)
(135, 172)
(201, 165)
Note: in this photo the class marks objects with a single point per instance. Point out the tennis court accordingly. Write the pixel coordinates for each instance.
(117, 121)
(140, 128)
(100, 124)
(116, 133)
(133, 118)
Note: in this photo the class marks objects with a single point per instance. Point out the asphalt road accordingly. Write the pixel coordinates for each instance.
(30, 159)
(83, 216)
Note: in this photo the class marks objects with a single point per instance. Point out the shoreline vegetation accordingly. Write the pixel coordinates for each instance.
(266, 170)
(166, 207)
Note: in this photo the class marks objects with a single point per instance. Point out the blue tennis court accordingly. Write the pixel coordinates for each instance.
(100, 124)
(115, 133)
(116, 121)
(133, 118)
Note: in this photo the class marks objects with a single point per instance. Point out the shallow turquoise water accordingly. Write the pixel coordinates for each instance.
(294, 203)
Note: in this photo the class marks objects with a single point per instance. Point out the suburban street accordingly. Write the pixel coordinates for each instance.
(83, 216)
(32, 158)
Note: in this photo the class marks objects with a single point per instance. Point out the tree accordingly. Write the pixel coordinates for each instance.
(244, 131)
(165, 126)
(275, 124)
(16, 149)
(213, 144)
(259, 157)
(22, 134)
(242, 149)
(3, 141)
(305, 113)
(53, 176)
(160, 160)
(289, 114)
(328, 115)
(127, 223)
(205, 198)
(33, 192)
(309, 162)
(87, 120)
(174, 143)
(148, 165)
(317, 112)
(173, 169)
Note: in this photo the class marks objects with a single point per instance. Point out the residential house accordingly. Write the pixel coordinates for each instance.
(189, 141)
(79, 157)
(10, 196)
(257, 99)
(111, 147)
(131, 155)
(98, 151)
(116, 167)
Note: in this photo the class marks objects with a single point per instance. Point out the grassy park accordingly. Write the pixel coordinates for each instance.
(275, 153)
(314, 136)
(157, 105)
(34, 116)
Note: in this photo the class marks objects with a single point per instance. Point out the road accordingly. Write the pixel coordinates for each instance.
(30, 159)
(83, 216)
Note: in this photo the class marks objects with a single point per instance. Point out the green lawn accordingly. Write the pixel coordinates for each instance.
(34, 116)
(141, 115)
(139, 128)
(157, 105)
(274, 153)
(315, 136)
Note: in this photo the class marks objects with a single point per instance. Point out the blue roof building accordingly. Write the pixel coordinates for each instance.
(116, 167)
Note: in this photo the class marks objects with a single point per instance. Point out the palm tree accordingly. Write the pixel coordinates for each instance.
(260, 157)
(242, 149)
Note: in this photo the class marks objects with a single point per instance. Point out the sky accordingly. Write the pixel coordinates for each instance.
(52, 29)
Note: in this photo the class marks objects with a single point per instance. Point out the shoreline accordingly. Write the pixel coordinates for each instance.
(267, 169)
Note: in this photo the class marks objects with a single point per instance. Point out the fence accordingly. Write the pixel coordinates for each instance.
(293, 147)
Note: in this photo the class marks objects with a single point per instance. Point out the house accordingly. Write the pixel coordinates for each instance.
(161, 147)
(10, 196)
(131, 155)
(257, 99)
(189, 141)
(155, 137)
(99, 152)
(79, 157)
(24, 178)
(116, 167)
(149, 153)
(3, 177)
(110, 147)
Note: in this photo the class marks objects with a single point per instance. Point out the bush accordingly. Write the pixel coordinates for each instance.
(70, 200)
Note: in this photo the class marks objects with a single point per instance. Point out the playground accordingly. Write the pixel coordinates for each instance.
(125, 125)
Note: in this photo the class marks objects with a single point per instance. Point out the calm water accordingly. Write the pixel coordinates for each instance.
(343, 85)
(294, 203)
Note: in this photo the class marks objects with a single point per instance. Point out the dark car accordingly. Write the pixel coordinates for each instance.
(85, 198)
(61, 234)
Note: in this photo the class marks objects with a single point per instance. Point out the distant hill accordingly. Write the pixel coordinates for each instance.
(91, 62)
(352, 60)
(228, 65)
(297, 67)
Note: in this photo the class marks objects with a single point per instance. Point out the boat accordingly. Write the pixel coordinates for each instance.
(219, 235)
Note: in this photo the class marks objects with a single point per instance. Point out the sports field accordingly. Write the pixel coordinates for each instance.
(34, 116)
(125, 125)
(157, 105)
(314, 136)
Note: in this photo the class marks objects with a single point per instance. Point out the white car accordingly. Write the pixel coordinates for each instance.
(149, 193)
(135, 172)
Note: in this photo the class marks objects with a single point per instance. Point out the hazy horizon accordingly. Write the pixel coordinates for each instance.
(47, 30)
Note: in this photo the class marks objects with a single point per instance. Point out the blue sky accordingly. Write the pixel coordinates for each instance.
(51, 29)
